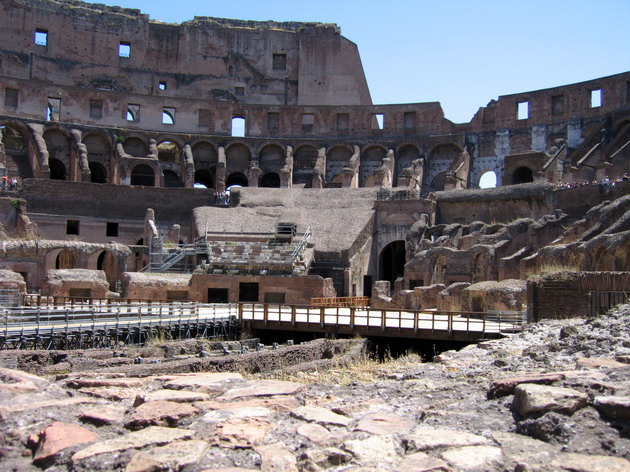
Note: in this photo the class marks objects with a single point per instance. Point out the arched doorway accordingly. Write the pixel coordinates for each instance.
(107, 263)
(168, 151)
(522, 175)
(270, 180)
(488, 179)
(392, 262)
(98, 173)
(204, 178)
(57, 170)
(236, 178)
(171, 179)
(143, 175)
(65, 260)
(135, 147)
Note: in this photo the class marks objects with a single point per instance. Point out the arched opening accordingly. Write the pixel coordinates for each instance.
(57, 170)
(236, 178)
(107, 263)
(204, 178)
(98, 173)
(143, 175)
(437, 184)
(17, 153)
(168, 151)
(270, 180)
(65, 260)
(238, 158)
(522, 175)
(371, 161)
(405, 156)
(304, 160)
(271, 158)
(336, 160)
(392, 262)
(171, 179)
(488, 179)
(135, 147)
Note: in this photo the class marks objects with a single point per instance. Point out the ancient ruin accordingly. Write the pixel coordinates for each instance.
(230, 152)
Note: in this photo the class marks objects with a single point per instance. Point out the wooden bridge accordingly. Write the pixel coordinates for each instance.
(47, 323)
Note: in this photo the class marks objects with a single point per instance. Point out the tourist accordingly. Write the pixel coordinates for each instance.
(13, 183)
(4, 182)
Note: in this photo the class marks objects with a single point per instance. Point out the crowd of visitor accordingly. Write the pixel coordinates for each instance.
(9, 183)
(221, 198)
(606, 183)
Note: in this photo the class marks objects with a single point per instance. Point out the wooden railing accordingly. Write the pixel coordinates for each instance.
(341, 301)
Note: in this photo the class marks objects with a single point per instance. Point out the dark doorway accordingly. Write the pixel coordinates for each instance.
(143, 175)
(236, 178)
(217, 295)
(57, 169)
(392, 263)
(367, 285)
(522, 175)
(248, 292)
(270, 180)
(98, 174)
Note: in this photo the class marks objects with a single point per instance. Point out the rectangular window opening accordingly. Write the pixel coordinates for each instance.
(273, 121)
(162, 85)
(133, 112)
(168, 116)
(596, 98)
(72, 227)
(112, 230)
(238, 126)
(124, 49)
(205, 117)
(239, 91)
(41, 37)
(96, 109)
(557, 104)
(523, 110)
(52, 109)
(343, 121)
(377, 121)
(410, 120)
(308, 121)
(279, 62)
(248, 292)
(11, 98)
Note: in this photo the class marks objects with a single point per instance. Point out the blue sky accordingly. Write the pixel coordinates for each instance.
(459, 53)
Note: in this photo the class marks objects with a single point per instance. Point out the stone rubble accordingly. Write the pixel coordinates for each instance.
(555, 397)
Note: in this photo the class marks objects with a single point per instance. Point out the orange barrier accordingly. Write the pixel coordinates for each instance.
(341, 301)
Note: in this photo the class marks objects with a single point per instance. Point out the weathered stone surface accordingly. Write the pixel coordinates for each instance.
(502, 387)
(317, 414)
(17, 381)
(112, 394)
(241, 432)
(473, 457)
(170, 395)
(263, 388)
(59, 436)
(173, 457)
(324, 458)
(282, 403)
(97, 383)
(598, 362)
(316, 433)
(215, 416)
(276, 458)
(535, 399)
(103, 415)
(425, 439)
(587, 463)
(159, 413)
(7, 411)
(206, 382)
(519, 449)
(385, 449)
(385, 423)
(422, 462)
(134, 440)
(615, 408)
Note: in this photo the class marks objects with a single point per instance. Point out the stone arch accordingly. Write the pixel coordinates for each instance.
(488, 179)
(479, 268)
(99, 150)
(238, 157)
(304, 160)
(392, 261)
(520, 142)
(57, 169)
(204, 177)
(98, 173)
(107, 262)
(236, 178)
(270, 180)
(441, 159)
(336, 159)
(205, 155)
(171, 179)
(404, 157)
(65, 259)
(522, 175)
(371, 160)
(135, 146)
(143, 174)
(58, 145)
(169, 151)
(438, 274)
(271, 158)
(15, 140)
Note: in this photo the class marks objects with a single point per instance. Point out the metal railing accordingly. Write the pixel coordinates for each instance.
(341, 301)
